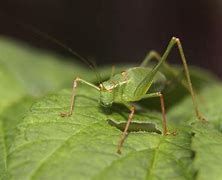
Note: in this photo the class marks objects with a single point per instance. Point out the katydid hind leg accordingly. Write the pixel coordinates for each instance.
(112, 71)
(72, 99)
(175, 41)
(124, 134)
(154, 55)
(187, 73)
(151, 55)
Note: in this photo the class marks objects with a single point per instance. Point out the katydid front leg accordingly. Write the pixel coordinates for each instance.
(75, 84)
(124, 134)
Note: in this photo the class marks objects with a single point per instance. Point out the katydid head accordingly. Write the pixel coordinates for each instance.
(106, 96)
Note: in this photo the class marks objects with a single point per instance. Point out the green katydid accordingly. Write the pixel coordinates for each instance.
(131, 85)
(135, 84)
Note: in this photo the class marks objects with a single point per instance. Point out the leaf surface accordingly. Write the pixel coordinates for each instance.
(83, 146)
(26, 74)
(207, 143)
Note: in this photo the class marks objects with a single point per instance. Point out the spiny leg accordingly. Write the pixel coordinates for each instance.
(151, 55)
(124, 134)
(179, 45)
(75, 84)
(175, 41)
(154, 55)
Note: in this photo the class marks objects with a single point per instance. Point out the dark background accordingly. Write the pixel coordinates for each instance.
(121, 30)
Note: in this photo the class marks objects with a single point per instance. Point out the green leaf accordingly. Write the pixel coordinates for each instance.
(207, 140)
(207, 144)
(3, 153)
(209, 100)
(10, 90)
(8, 129)
(26, 74)
(83, 146)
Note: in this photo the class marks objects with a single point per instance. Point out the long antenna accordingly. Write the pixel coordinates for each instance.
(63, 45)
(59, 43)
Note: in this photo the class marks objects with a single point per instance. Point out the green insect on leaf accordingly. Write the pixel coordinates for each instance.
(37, 143)
(134, 84)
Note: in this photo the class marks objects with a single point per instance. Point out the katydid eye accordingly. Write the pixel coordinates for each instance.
(101, 86)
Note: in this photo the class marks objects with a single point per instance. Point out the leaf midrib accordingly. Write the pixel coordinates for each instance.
(150, 170)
